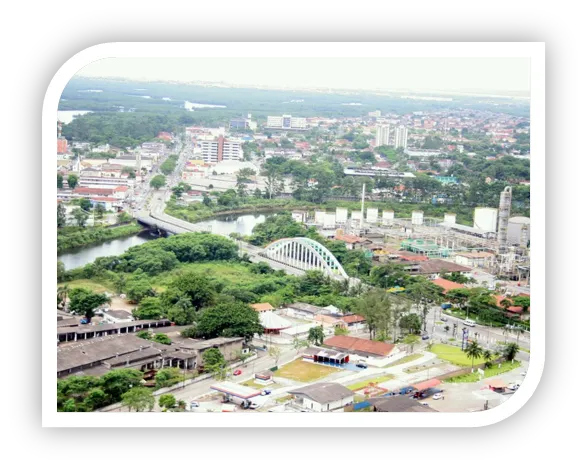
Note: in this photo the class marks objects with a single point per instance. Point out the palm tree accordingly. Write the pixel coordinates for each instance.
(509, 351)
(473, 351)
(505, 304)
(519, 332)
(487, 356)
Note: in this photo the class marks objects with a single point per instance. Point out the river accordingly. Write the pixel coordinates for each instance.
(223, 225)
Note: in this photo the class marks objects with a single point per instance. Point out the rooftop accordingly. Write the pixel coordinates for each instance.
(447, 285)
(354, 344)
(400, 403)
(262, 307)
(323, 393)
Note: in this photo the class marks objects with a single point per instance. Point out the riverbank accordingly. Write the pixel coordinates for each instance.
(197, 211)
(74, 237)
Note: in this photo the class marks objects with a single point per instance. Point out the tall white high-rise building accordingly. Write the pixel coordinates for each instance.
(220, 149)
(382, 135)
(401, 137)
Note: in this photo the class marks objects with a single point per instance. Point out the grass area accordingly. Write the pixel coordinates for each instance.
(367, 382)
(406, 359)
(300, 370)
(251, 383)
(521, 348)
(452, 339)
(454, 355)
(90, 284)
(283, 399)
(489, 372)
(358, 398)
(74, 237)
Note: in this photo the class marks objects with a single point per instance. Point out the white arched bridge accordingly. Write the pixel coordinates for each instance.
(305, 254)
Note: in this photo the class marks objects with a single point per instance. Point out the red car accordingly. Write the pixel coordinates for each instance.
(237, 372)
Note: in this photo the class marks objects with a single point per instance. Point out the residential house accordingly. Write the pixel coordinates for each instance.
(322, 397)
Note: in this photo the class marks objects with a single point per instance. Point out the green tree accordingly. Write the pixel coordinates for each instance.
(275, 352)
(62, 294)
(488, 357)
(167, 377)
(196, 288)
(61, 218)
(190, 332)
(149, 308)
(123, 217)
(207, 201)
(316, 335)
(139, 399)
(95, 399)
(473, 351)
(411, 322)
(213, 360)
(59, 181)
(138, 288)
(510, 350)
(80, 216)
(116, 383)
(120, 283)
(375, 306)
(523, 301)
(411, 340)
(182, 312)
(60, 271)
(274, 183)
(299, 344)
(161, 339)
(85, 205)
(144, 335)
(99, 211)
(72, 181)
(229, 320)
(424, 294)
(84, 301)
(167, 401)
(157, 182)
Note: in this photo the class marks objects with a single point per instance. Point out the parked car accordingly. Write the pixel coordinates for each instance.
(362, 365)
(265, 392)
(513, 386)
(194, 404)
(237, 372)
(469, 322)
(253, 405)
(437, 396)
(444, 319)
(425, 337)
(425, 403)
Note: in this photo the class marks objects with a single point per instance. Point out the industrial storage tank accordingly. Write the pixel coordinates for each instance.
(387, 217)
(341, 215)
(356, 215)
(486, 219)
(329, 220)
(372, 215)
(319, 217)
(450, 218)
(516, 228)
(417, 217)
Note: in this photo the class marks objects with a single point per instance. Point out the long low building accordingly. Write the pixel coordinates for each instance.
(69, 334)
(360, 346)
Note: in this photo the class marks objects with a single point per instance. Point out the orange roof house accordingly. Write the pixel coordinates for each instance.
(262, 307)
(356, 345)
(447, 285)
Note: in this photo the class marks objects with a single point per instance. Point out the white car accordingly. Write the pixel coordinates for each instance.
(437, 396)
(513, 386)
(523, 373)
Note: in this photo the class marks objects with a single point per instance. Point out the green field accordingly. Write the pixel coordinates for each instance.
(454, 355)
(489, 372)
(300, 370)
(97, 287)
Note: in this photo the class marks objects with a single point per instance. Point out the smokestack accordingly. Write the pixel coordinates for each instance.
(505, 204)
(362, 208)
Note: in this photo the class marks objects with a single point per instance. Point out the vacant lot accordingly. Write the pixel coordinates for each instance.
(368, 382)
(406, 359)
(454, 355)
(303, 371)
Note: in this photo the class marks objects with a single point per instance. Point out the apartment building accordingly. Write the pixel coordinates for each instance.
(286, 122)
(382, 135)
(220, 149)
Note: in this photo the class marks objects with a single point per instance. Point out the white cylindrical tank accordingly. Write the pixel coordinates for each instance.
(486, 219)
(329, 220)
(372, 215)
(319, 217)
(450, 218)
(387, 217)
(341, 215)
(356, 215)
(515, 226)
(417, 217)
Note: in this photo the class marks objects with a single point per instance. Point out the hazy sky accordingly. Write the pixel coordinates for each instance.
(450, 74)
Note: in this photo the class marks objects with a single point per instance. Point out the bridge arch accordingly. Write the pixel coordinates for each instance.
(305, 254)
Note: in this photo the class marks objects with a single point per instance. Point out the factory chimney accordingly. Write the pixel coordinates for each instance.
(505, 204)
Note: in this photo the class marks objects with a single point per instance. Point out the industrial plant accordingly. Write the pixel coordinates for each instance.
(497, 242)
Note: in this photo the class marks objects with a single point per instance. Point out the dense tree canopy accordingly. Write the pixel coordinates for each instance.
(229, 320)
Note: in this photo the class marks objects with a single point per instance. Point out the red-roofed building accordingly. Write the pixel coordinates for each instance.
(447, 285)
(352, 241)
(120, 192)
(360, 346)
(354, 321)
(262, 307)
(513, 310)
(165, 136)
(92, 191)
